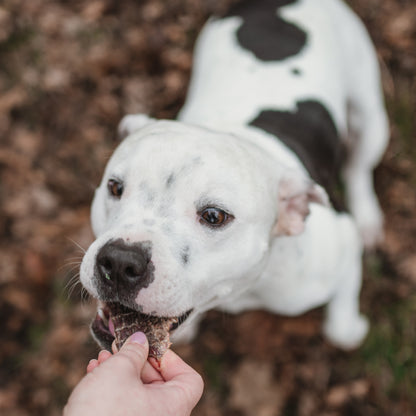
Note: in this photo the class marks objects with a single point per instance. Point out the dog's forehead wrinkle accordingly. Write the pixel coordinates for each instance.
(167, 206)
(147, 194)
(170, 179)
(186, 169)
(144, 186)
(197, 160)
(148, 199)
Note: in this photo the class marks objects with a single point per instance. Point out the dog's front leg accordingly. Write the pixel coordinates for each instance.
(344, 325)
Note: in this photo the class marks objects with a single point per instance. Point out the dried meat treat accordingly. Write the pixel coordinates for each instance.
(127, 321)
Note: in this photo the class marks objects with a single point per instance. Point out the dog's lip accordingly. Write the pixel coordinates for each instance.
(102, 325)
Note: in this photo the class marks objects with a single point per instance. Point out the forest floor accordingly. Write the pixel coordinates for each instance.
(69, 70)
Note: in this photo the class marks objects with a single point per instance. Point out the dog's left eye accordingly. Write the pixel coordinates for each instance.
(115, 188)
(214, 217)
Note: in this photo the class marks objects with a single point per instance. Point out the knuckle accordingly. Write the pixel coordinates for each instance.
(199, 382)
(192, 392)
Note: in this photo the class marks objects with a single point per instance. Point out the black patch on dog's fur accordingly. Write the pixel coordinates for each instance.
(185, 255)
(265, 33)
(170, 180)
(311, 133)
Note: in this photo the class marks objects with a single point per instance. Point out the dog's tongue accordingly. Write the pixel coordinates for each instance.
(111, 328)
(125, 322)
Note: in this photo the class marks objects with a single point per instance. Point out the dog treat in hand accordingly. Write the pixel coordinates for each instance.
(128, 321)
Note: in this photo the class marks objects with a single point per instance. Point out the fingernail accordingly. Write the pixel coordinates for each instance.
(139, 338)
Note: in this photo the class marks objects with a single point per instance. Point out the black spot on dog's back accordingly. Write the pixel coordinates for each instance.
(265, 33)
(311, 133)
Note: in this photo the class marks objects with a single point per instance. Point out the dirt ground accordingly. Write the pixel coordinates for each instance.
(68, 71)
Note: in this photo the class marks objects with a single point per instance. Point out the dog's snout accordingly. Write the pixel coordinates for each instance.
(124, 266)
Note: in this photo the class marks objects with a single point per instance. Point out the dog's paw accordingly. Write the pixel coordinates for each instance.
(347, 335)
(372, 236)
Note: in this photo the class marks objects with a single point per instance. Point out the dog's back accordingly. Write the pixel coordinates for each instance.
(274, 54)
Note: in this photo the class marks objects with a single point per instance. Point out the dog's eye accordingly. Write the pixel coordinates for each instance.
(115, 188)
(214, 217)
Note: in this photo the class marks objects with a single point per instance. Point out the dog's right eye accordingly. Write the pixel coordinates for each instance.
(115, 188)
(214, 217)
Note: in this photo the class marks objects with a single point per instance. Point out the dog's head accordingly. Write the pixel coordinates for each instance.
(184, 217)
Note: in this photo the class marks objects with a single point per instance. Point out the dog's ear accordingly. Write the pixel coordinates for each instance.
(131, 123)
(296, 192)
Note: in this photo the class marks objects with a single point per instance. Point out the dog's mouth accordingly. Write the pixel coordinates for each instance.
(116, 322)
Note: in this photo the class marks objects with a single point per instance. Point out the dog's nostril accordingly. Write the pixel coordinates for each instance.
(104, 263)
(107, 265)
(132, 272)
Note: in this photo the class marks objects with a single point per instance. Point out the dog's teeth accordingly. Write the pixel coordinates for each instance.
(101, 314)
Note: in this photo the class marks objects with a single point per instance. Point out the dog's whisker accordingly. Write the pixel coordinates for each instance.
(73, 279)
(65, 266)
(72, 284)
(72, 288)
(83, 250)
(70, 274)
(73, 266)
(85, 296)
(75, 258)
(70, 264)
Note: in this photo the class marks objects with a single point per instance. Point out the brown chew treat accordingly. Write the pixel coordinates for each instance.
(127, 321)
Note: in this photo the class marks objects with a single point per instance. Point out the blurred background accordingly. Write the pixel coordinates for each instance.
(69, 70)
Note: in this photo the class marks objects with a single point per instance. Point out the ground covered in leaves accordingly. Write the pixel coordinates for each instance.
(68, 71)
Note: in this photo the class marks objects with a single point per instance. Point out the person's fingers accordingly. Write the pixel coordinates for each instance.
(134, 352)
(172, 366)
(150, 374)
(91, 365)
(179, 374)
(103, 356)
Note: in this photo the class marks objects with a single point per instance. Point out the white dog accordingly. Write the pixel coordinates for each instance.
(228, 207)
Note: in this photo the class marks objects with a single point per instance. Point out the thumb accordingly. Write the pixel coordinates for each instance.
(134, 352)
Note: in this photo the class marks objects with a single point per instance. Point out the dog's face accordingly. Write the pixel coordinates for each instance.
(183, 219)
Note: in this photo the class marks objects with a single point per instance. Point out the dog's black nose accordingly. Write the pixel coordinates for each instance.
(124, 267)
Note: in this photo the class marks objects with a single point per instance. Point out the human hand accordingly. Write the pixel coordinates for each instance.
(126, 384)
